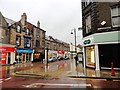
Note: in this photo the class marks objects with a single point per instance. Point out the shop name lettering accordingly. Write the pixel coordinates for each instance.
(87, 41)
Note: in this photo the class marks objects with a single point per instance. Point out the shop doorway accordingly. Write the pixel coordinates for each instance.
(28, 57)
(109, 53)
(8, 59)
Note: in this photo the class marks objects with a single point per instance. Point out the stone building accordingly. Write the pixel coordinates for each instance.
(23, 40)
(101, 31)
(39, 42)
(7, 51)
(54, 45)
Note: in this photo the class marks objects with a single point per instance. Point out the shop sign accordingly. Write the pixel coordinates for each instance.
(60, 51)
(87, 41)
(7, 49)
(25, 50)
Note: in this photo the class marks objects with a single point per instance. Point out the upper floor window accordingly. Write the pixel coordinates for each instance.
(27, 31)
(27, 42)
(18, 40)
(115, 14)
(88, 24)
(37, 43)
(18, 28)
(87, 2)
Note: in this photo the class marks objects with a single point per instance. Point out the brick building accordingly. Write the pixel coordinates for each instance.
(101, 31)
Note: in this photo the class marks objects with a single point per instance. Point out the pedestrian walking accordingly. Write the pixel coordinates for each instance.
(76, 60)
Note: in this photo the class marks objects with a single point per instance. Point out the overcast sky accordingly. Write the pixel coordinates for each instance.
(57, 17)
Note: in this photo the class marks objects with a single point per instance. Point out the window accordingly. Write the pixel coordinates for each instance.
(27, 31)
(115, 14)
(88, 24)
(18, 39)
(18, 28)
(87, 2)
(37, 43)
(27, 42)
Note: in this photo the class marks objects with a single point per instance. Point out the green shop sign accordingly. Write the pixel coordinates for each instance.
(87, 41)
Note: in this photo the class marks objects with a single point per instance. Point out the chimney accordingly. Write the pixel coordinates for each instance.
(23, 19)
(38, 24)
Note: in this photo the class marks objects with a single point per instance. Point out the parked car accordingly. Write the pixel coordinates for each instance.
(66, 58)
(60, 58)
(52, 59)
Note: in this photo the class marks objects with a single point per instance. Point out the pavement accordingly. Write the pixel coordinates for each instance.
(66, 69)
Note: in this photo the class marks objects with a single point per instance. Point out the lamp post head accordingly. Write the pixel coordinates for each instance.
(71, 33)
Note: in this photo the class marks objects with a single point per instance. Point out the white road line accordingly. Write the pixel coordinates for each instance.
(1, 80)
(52, 84)
(7, 78)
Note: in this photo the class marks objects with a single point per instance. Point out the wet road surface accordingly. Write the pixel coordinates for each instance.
(55, 75)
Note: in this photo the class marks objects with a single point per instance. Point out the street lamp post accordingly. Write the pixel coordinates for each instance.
(75, 39)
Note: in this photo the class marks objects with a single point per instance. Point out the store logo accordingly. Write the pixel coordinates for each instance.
(87, 41)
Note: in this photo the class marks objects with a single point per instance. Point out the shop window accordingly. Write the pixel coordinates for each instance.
(18, 40)
(115, 14)
(90, 61)
(28, 57)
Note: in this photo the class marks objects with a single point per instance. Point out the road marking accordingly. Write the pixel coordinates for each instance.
(7, 78)
(53, 84)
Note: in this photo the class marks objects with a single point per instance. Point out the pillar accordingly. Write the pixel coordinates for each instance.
(31, 57)
(84, 58)
(97, 57)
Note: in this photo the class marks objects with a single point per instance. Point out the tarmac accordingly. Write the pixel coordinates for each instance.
(66, 69)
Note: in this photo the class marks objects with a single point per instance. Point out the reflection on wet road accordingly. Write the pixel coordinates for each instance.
(55, 69)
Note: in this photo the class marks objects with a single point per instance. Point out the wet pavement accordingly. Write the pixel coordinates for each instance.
(65, 69)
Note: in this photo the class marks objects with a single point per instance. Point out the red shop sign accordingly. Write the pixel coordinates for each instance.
(7, 49)
(60, 51)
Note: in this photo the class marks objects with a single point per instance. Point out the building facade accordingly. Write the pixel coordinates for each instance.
(101, 31)
(38, 43)
(7, 51)
(20, 41)
(56, 47)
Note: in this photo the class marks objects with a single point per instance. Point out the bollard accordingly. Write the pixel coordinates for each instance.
(112, 70)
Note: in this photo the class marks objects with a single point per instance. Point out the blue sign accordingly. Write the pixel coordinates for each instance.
(25, 50)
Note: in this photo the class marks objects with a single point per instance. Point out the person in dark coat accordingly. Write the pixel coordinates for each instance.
(76, 59)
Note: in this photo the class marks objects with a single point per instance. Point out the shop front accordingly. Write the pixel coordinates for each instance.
(102, 49)
(24, 55)
(38, 55)
(7, 55)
